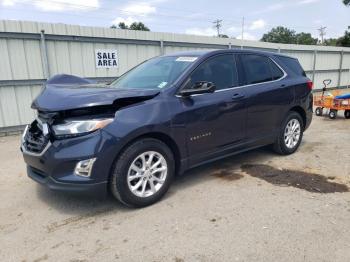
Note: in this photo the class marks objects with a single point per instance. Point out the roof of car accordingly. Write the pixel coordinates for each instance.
(222, 51)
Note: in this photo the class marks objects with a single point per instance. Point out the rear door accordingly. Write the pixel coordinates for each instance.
(266, 95)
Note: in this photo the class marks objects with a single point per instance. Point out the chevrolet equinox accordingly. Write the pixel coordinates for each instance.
(164, 116)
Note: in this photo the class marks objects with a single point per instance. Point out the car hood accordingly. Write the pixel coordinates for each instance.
(62, 94)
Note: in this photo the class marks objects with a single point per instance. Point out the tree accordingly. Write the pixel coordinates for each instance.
(134, 26)
(344, 40)
(122, 25)
(330, 41)
(305, 39)
(284, 35)
(346, 2)
(341, 41)
(280, 34)
(138, 26)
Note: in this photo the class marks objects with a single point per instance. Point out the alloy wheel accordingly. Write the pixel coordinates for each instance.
(292, 133)
(147, 174)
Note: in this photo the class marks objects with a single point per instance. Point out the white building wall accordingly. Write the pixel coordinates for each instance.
(70, 49)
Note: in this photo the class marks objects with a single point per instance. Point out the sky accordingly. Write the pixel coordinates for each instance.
(189, 17)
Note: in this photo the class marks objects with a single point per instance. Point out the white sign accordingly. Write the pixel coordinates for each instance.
(186, 59)
(106, 58)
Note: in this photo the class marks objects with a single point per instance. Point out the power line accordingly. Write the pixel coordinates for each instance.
(123, 11)
(322, 31)
(217, 25)
(207, 15)
(111, 11)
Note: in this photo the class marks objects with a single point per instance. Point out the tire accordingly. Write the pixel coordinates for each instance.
(347, 114)
(319, 111)
(123, 169)
(281, 146)
(332, 114)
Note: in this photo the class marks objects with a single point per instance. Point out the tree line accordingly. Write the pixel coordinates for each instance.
(134, 26)
(284, 35)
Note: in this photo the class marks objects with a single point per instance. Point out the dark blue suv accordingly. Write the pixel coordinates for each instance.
(166, 115)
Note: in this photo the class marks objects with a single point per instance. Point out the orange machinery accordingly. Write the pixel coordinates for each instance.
(333, 102)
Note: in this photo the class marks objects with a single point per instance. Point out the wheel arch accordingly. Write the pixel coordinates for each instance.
(166, 139)
(301, 112)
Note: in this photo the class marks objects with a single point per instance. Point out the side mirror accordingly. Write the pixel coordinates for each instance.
(201, 87)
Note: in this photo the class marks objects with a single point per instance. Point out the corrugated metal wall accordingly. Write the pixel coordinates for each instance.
(29, 56)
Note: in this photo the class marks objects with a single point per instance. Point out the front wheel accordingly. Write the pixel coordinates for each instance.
(290, 135)
(143, 173)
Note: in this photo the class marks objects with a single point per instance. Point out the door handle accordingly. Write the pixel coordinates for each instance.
(237, 96)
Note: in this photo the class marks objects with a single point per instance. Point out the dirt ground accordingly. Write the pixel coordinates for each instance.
(255, 206)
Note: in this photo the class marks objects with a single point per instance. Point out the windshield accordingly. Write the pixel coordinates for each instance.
(159, 72)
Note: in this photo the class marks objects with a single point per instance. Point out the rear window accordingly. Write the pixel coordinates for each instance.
(293, 65)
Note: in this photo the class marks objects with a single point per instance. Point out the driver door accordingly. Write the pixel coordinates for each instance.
(214, 121)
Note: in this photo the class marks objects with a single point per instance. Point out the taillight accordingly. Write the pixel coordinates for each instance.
(310, 85)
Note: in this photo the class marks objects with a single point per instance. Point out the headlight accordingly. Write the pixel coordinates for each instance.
(77, 127)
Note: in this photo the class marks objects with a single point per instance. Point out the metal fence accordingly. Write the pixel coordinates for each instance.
(31, 52)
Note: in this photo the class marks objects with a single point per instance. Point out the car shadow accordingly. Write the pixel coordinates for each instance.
(76, 204)
(88, 205)
(223, 168)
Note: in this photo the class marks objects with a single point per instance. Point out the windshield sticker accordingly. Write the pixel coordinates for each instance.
(189, 59)
(162, 84)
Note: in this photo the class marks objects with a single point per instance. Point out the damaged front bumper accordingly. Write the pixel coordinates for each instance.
(54, 164)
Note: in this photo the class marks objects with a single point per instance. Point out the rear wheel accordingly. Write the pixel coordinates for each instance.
(290, 135)
(319, 111)
(143, 173)
(333, 114)
(347, 114)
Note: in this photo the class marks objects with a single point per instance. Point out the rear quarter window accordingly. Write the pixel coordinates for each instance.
(293, 65)
(276, 72)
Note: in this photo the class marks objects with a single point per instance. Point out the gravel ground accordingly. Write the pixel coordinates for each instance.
(255, 206)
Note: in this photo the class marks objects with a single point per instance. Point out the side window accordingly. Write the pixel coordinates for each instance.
(293, 65)
(277, 73)
(256, 68)
(220, 70)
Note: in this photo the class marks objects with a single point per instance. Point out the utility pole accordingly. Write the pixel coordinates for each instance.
(217, 25)
(242, 37)
(322, 33)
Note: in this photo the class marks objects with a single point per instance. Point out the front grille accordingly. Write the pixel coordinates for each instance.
(34, 139)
